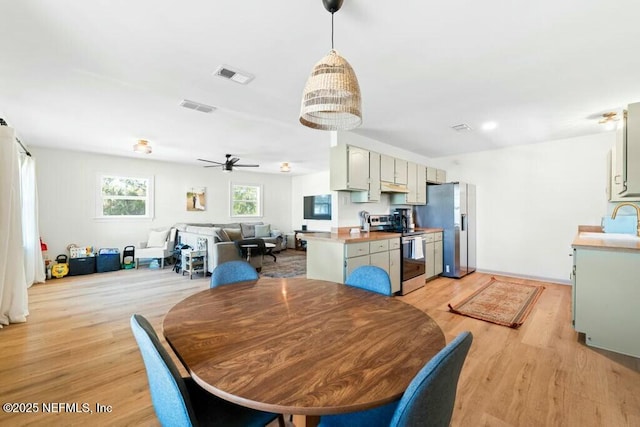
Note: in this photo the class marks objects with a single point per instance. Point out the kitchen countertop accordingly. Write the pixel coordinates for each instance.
(588, 237)
(346, 237)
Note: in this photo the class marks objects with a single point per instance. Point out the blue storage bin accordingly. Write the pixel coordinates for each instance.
(108, 259)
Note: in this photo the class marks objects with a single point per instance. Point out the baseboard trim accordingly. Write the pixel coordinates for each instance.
(523, 276)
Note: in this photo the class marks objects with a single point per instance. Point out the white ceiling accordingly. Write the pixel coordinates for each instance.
(98, 75)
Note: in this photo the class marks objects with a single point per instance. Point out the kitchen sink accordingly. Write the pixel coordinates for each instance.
(610, 236)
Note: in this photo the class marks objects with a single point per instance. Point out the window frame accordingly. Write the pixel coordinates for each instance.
(259, 202)
(149, 199)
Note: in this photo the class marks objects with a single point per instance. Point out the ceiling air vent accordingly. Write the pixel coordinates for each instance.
(233, 74)
(461, 127)
(192, 105)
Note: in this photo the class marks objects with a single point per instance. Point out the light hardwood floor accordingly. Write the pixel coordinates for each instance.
(77, 348)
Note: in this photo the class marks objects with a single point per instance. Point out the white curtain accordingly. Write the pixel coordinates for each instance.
(33, 261)
(13, 284)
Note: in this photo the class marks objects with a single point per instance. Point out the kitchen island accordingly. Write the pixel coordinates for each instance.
(334, 255)
(606, 289)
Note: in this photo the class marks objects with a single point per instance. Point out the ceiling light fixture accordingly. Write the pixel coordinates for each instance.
(284, 167)
(331, 99)
(609, 120)
(609, 117)
(142, 147)
(487, 126)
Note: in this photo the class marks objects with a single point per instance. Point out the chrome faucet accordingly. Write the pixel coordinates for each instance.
(615, 212)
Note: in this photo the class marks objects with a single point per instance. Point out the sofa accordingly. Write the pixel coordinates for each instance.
(219, 239)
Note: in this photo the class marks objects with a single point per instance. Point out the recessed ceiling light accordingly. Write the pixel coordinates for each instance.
(489, 126)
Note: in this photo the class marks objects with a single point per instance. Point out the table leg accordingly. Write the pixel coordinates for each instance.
(249, 255)
(306, 420)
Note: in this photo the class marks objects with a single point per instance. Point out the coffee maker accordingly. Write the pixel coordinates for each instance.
(403, 219)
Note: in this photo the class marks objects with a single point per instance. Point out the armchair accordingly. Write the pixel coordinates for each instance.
(160, 245)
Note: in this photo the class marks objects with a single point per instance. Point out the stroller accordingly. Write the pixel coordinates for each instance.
(177, 256)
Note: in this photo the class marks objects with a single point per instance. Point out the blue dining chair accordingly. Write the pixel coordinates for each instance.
(232, 272)
(429, 399)
(370, 278)
(180, 401)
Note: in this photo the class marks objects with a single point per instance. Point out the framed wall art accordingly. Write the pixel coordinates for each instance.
(196, 199)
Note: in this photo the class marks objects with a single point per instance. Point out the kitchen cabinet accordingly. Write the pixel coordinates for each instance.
(421, 184)
(433, 254)
(387, 168)
(373, 193)
(437, 255)
(605, 298)
(401, 171)
(349, 168)
(436, 176)
(625, 157)
(393, 170)
(334, 260)
(416, 186)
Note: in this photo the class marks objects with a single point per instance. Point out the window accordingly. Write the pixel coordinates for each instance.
(246, 200)
(124, 197)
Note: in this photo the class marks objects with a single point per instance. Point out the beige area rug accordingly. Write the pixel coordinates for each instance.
(500, 302)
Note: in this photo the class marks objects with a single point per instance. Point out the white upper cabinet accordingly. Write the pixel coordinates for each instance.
(625, 157)
(401, 171)
(416, 186)
(421, 185)
(387, 168)
(349, 168)
(432, 175)
(393, 170)
(373, 193)
(436, 176)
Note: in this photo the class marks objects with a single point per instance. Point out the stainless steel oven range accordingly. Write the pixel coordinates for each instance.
(413, 270)
(413, 273)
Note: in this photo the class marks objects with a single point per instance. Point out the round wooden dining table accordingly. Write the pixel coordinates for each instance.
(301, 346)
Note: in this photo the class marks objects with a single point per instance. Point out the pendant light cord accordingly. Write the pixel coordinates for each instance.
(332, 30)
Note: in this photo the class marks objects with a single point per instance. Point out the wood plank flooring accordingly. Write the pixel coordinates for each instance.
(77, 347)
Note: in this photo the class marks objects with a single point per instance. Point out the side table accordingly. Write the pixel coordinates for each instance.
(194, 262)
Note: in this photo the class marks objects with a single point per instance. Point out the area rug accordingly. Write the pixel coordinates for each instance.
(500, 302)
(290, 263)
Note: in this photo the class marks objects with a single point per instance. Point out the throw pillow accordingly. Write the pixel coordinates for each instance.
(248, 230)
(220, 235)
(263, 230)
(233, 233)
(157, 238)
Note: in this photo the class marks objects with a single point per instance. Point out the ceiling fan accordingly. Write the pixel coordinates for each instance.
(228, 164)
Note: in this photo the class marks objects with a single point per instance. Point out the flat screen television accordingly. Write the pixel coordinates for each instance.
(317, 207)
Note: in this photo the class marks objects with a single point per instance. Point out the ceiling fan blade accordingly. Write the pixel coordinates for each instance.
(234, 160)
(213, 166)
(246, 166)
(211, 161)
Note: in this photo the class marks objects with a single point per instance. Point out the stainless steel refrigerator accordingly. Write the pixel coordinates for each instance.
(452, 207)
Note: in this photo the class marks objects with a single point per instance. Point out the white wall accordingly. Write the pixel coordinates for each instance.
(310, 185)
(344, 213)
(67, 189)
(531, 199)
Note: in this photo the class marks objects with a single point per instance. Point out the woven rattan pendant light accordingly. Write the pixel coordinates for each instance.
(331, 98)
